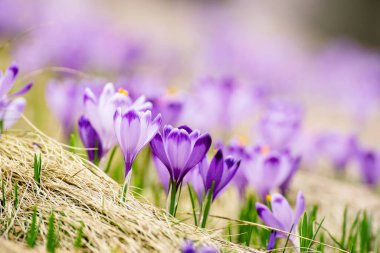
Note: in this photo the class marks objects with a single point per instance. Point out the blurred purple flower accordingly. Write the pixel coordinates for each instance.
(269, 169)
(282, 217)
(338, 148)
(220, 172)
(369, 167)
(188, 247)
(91, 140)
(180, 149)
(284, 187)
(224, 103)
(134, 129)
(65, 100)
(11, 108)
(280, 124)
(100, 111)
(170, 109)
(240, 151)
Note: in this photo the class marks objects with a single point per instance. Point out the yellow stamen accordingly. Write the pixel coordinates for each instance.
(124, 92)
(265, 150)
(243, 140)
(215, 150)
(269, 198)
(171, 90)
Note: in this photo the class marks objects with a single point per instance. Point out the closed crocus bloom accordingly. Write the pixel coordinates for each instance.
(11, 108)
(280, 124)
(282, 217)
(268, 169)
(369, 167)
(134, 129)
(65, 100)
(220, 172)
(180, 149)
(91, 140)
(100, 111)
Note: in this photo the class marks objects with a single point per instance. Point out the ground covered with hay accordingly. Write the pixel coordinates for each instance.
(81, 198)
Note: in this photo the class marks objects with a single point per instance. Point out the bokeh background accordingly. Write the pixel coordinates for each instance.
(222, 62)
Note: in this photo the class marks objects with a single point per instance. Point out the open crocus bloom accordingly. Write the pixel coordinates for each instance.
(134, 129)
(180, 149)
(282, 217)
(11, 109)
(269, 169)
(220, 172)
(100, 111)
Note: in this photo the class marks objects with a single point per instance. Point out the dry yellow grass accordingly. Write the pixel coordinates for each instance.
(79, 192)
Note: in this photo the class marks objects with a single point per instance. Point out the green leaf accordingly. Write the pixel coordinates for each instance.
(32, 232)
(79, 236)
(207, 206)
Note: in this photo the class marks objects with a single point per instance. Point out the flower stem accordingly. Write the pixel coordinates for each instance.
(110, 160)
(173, 193)
(208, 205)
(192, 204)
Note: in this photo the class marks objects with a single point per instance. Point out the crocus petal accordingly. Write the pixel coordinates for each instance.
(24, 90)
(188, 247)
(272, 240)
(282, 211)
(162, 173)
(7, 80)
(130, 133)
(200, 149)
(300, 208)
(107, 94)
(267, 217)
(215, 171)
(158, 150)
(178, 150)
(13, 112)
(90, 139)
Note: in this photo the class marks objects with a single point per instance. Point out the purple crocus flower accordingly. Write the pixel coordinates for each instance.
(65, 100)
(282, 217)
(134, 129)
(220, 172)
(369, 167)
(269, 169)
(100, 111)
(280, 124)
(340, 149)
(189, 247)
(91, 140)
(11, 108)
(180, 149)
(242, 152)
